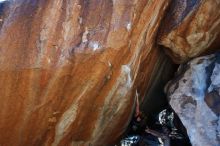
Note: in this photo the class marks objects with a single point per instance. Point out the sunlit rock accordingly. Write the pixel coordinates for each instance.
(190, 28)
(70, 70)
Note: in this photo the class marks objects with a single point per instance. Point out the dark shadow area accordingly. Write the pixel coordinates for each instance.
(158, 124)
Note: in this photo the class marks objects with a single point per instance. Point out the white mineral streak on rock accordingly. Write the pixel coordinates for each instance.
(119, 91)
(80, 20)
(109, 64)
(128, 26)
(126, 70)
(85, 34)
(136, 94)
(94, 45)
(187, 99)
(67, 119)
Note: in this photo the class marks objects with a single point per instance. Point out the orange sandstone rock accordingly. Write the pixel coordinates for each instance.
(190, 27)
(70, 69)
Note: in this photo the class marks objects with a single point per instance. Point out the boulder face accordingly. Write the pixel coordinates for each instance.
(190, 27)
(70, 69)
(195, 96)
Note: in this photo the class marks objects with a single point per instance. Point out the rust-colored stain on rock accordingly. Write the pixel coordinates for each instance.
(69, 69)
(190, 28)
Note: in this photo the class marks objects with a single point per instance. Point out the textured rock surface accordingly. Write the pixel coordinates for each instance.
(195, 96)
(70, 70)
(190, 27)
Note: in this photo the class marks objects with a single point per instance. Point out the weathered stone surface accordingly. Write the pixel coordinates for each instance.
(190, 27)
(70, 69)
(4, 7)
(195, 96)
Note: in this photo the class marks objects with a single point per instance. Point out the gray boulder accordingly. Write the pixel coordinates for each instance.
(194, 94)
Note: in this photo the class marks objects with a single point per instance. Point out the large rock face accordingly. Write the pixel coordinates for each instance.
(190, 27)
(195, 96)
(70, 69)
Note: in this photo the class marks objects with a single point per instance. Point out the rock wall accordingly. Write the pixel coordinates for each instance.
(70, 70)
(190, 27)
(195, 96)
